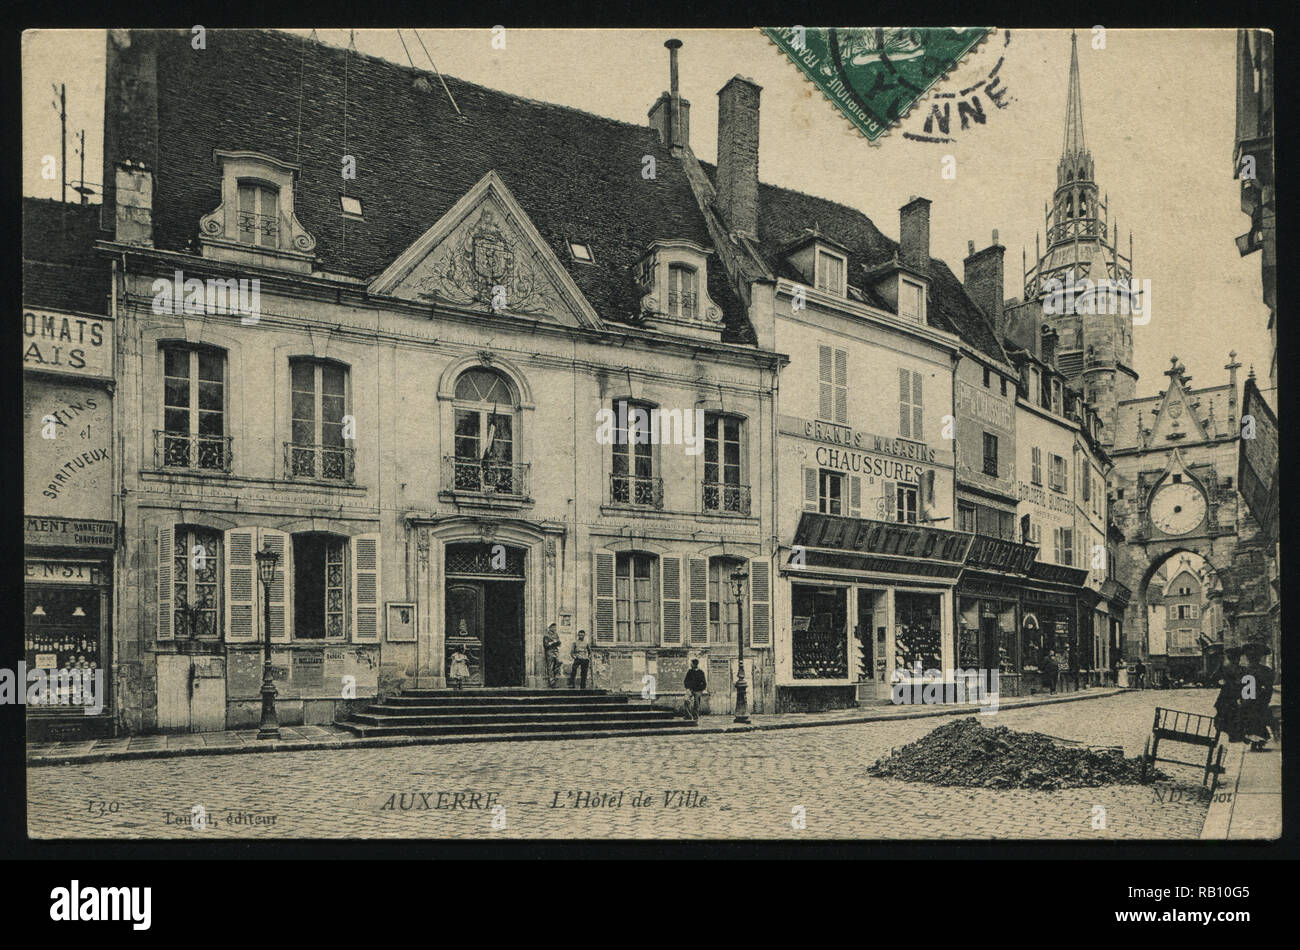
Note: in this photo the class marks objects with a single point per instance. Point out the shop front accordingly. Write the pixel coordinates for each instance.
(1050, 624)
(990, 633)
(861, 600)
(69, 532)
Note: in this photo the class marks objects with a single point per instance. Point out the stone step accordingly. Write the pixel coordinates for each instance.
(541, 699)
(632, 714)
(502, 691)
(584, 727)
(476, 709)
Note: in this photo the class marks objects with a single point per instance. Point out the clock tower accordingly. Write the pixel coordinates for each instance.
(1174, 492)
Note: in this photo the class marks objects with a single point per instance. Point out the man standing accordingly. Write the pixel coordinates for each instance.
(1050, 671)
(581, 655)
(551, 656)
(1141, 673)
(695, 686)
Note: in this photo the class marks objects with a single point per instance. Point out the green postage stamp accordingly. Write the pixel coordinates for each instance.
(874, 75)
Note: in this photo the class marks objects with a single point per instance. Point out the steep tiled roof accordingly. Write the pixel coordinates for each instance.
(577, 175)
(783, 215)
(60, 268)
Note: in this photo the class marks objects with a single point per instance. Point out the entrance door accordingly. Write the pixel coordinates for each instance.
(503, 634)
(486, 620)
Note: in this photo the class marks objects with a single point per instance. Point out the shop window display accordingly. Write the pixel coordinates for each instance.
(820, 645)
(918, 630)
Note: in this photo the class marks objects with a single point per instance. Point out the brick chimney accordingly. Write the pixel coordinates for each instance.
(982, 273)
(133, 207)
(673, 132)
(1048, 351)
(738, 154)
(914, 235)
(130, 109)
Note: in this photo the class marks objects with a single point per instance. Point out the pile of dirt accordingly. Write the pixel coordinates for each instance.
(966, 754)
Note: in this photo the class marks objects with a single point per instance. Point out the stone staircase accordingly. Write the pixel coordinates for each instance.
(512, 712)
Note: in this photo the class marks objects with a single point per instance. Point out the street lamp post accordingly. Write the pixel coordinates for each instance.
(739, 582)
(270, 725)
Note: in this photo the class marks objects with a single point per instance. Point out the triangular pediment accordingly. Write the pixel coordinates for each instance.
(485, 254)
(1177, 420)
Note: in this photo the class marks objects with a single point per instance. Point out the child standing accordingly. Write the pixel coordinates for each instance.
(459, 671)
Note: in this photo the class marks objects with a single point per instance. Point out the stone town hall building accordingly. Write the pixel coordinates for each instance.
(382, 327)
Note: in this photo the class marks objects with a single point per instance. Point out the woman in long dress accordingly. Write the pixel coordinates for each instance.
(1227, 706)
(1256, 719)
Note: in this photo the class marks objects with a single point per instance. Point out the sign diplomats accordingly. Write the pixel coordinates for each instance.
(67, 343)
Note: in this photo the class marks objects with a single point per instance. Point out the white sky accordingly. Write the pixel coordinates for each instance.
(1159, 111)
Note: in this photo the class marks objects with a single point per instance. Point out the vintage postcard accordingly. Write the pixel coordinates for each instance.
(783, 433)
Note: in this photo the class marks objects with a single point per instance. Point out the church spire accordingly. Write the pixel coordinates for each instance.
(1074, 142)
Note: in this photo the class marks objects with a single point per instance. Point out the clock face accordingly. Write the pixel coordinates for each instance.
(1177, 509)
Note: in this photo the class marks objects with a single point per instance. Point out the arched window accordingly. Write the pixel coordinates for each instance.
(485, 433)
(259, 214)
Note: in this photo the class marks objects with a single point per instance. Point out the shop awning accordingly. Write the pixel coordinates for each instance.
(861, 545)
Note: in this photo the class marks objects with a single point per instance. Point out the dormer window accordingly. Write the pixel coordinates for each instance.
(830, 272)
(673, 277)
(255, 222)
(683, 294)
(350, 206)
(259, 214)
(911, 300)
(581, 252)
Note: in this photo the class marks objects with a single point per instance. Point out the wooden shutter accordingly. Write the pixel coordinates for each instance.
(918, 422)
(166, 577)
(671, 572)
(841, 386)
(809, 489)
(242, 620)
(279, 542)
(891, 501)
(826, 402)
(699, 599)
(855, 496)
(365, 588)
(603, 574)
(904, 403)
(760, 603)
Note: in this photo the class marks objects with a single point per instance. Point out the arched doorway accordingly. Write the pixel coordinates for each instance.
(484, 610)
(1180, 603)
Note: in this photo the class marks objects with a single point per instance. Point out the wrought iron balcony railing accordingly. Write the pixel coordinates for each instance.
(328, 462)
(726, 498)
(641, 490)
(484, 477)
(263, 229)
(209, 453)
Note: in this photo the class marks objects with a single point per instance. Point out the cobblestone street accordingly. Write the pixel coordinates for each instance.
(753, 785)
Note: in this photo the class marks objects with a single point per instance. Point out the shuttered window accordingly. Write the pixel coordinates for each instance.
(833, 384)
(911, 415)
